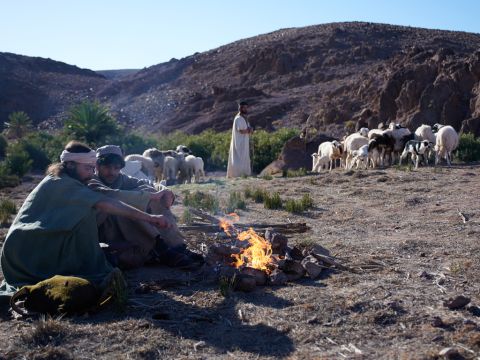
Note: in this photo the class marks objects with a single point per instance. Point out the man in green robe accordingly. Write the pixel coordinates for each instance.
(132, 243)
(55, 231)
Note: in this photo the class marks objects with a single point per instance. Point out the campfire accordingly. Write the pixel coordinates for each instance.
(248, 259)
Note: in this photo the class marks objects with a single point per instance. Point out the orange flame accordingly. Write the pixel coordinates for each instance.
(257, 255)
(227, 225)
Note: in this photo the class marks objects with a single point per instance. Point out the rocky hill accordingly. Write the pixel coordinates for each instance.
(318, 77)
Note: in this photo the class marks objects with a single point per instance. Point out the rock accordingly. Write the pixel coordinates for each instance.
(474, 310)
(451, 354)
(278, 277)
(456, 302)
(293, 269)
(312, 267)
(279, 241)
(245, 283)
(259, 275)
(296, 253)
(426, 275)
(437, 322)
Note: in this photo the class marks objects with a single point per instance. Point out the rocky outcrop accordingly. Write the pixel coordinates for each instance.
(319, 77)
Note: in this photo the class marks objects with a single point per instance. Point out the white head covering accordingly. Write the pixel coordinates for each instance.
(82, 158)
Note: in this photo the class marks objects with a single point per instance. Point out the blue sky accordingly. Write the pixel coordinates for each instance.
(107, 34)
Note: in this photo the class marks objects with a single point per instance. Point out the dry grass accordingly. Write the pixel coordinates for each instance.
(401, 228)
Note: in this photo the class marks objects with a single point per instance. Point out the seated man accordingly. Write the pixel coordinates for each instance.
(133, 243)
(55, 231)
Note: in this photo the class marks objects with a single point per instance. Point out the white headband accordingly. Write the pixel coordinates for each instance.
(82, 158)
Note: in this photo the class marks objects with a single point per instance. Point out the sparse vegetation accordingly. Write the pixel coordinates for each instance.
(235, 202)
(294, 173)
(18, 125)
(349, 126)
(299, 206)
(469, 148)
(273, 201)
(46, 331)
(187, 217)
(226, 285)
(200, 200)
(7, 209)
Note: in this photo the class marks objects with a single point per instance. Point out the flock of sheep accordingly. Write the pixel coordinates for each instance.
(170, 166)
(377, 147)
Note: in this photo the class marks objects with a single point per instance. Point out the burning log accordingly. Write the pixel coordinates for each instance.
(244, 282)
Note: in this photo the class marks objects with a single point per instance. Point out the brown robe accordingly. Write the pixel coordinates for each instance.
(131, 241)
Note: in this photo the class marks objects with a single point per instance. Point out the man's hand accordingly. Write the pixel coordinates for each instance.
(165, 195)
(160, 221)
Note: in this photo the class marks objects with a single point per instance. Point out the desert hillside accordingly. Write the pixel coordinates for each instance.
(320, 76)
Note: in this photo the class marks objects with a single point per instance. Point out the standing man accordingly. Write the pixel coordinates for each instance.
(132, 243)
(239, 154)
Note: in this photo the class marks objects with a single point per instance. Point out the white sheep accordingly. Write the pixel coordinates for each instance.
(360, 156)
(157, 157)
(363, 131)
(446, 141)
(353, 142)
(319, 162)
(198, 166)
(148, 166)
(171, 167)
(332, 149)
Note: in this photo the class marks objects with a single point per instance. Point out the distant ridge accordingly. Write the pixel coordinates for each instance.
(318, 76)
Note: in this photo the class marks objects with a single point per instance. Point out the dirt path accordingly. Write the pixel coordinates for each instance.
(407, 221)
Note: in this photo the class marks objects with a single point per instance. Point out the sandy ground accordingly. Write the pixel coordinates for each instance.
(406, 221)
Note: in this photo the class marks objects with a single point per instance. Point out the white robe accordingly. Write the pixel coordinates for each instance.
(239, 154)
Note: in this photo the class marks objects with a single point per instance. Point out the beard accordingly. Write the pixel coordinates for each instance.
(73, 173)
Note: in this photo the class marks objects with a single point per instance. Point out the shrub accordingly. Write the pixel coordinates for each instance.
(7, 209)
(235, 202)
(17, 161)
(258, 195)
(273, 201)
(3, 146)
(187, 217)
(468, 148)
(200, 200)
(267, 146)
(294, 173)
(349, 126)
(134, 143)
(91, 122)
(299, 206)
(18, 125)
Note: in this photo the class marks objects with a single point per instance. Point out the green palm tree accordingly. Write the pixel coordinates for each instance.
(18, 125)
(90, 122)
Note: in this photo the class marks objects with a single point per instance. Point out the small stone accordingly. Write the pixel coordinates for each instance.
(457, 302)
(259, 275)
(474, 310)
(311, 265)
(451, 354)
(279, 241)
(245, 283)
(437, 322)
(422, 254)
(296, 253)
(293, 269)
(277, 278)
(425, 275)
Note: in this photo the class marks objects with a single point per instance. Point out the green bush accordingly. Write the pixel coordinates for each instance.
(235, 202)
(267, 146)
(200, 200)
(17, 161)
(468, 148)
(273, 201)
(258, 195)
(7, 209)
(90, 122)
(18, 125)
(294, 173)
(3, 146)
(133, 143)
(299, 206)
